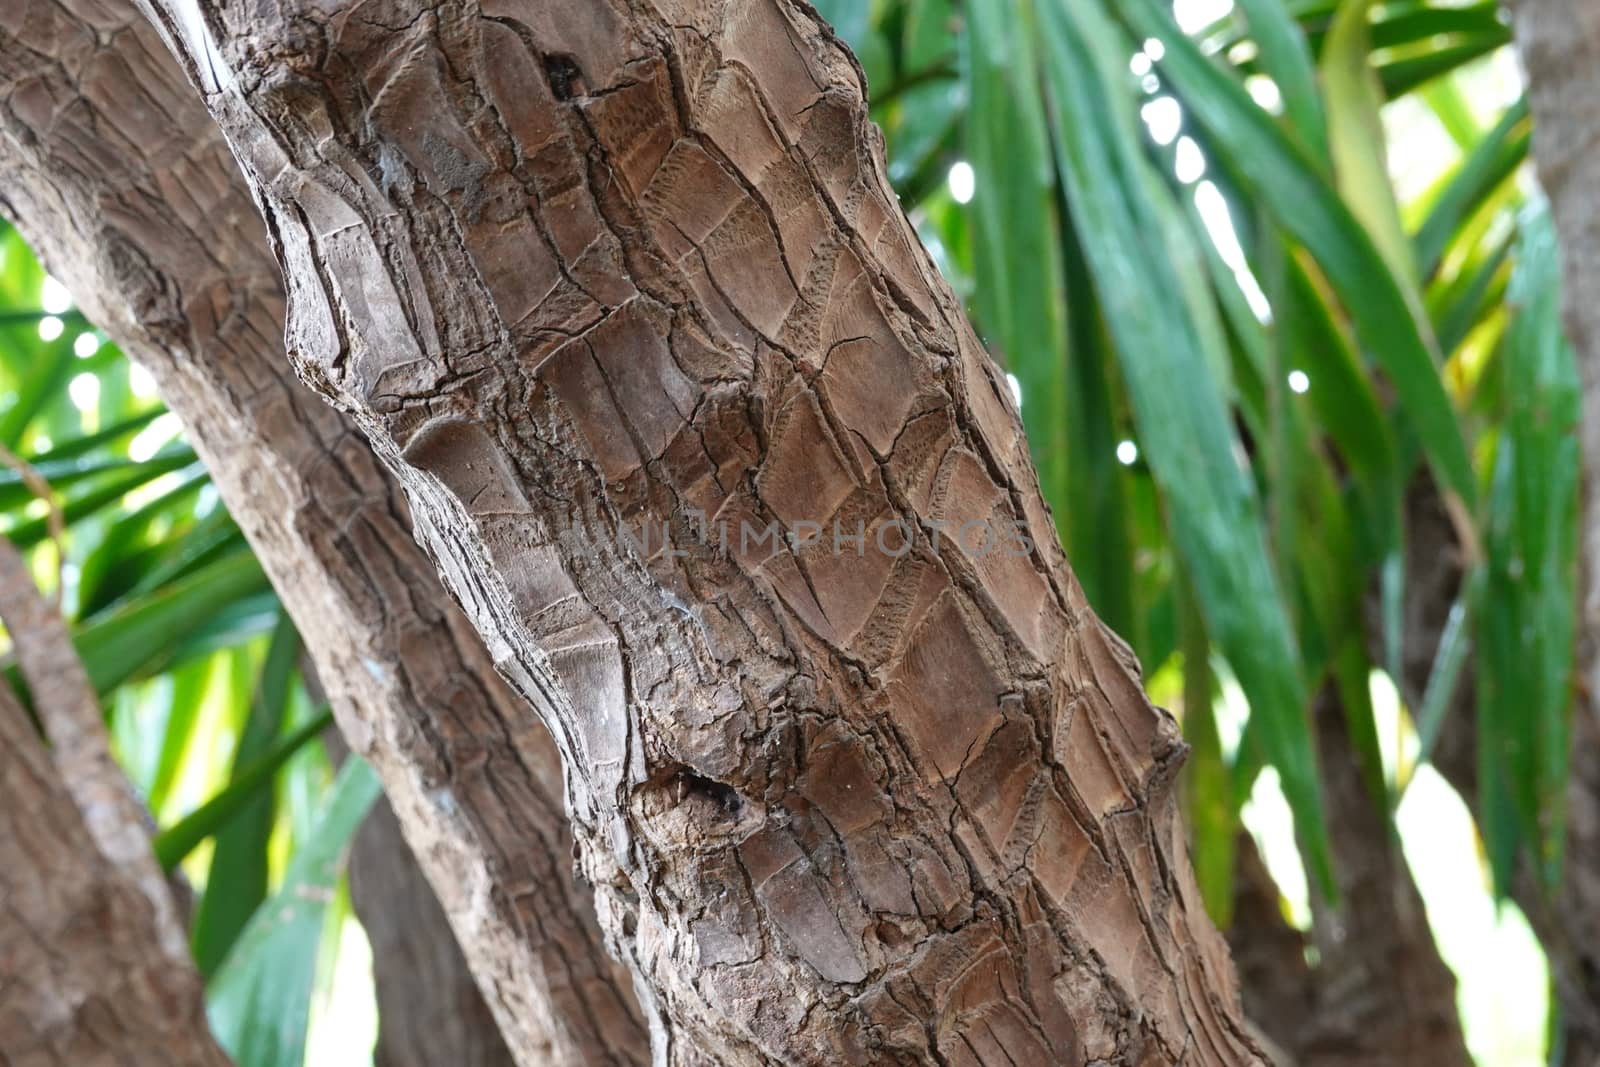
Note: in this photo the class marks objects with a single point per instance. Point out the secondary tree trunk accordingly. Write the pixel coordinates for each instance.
(80, 749)
(617, 287)
(94, 967)
(429, 1010)
(1567, 923)
(1379, 994)
(115, 172)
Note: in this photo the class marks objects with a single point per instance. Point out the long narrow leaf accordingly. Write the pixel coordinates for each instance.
(1182, 420)
(1096, 524)
(1525, 659)
(1455, 644)
(1213, 817)
(1305, 206)
(259, 1002)
(175, 843)
(1359, 141)
(237, 882)
(1021, 302)
(141, 637)
(1286, 58)
(1494, 160)
(188, 691)
(97, 497)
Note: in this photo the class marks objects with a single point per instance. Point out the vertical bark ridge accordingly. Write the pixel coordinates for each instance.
(115, 172)
(86, 978)
(603, 280)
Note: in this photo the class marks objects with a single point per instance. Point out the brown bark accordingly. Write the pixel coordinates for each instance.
(583, 268)
(114, 171)
(429, 1010)
(1379, 993)
(94, 967)
(1559, 41)
(1275, 981)
(1384, 996)
(80, 749)
(1567, 923)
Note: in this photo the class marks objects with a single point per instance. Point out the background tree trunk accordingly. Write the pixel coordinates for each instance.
(429, 1008)
(1379, 995)
(429, 1011)
(1567, 924)
(115, 172)
(1275, 979)
(584, 269)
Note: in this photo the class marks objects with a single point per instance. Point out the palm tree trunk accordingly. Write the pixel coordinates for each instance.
(1385, 997)
(1379, 994)
(429, 1008)
(620, 292)
(115, 172)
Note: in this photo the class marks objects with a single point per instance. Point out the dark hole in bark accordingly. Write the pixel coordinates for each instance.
(687, 784)
(566, 80)
(889, 933)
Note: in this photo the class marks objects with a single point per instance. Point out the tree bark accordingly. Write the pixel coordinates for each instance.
(429, 1009)
(1275, 980)
(94, 968)
(1379, 994)
(114, 171)
(80, 749)
(1384, 995)
(584, 270)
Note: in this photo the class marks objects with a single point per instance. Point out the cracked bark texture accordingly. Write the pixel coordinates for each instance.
(586, 269)
(1559, 41)
(114, 171)
(88, 972)
(1380, 995)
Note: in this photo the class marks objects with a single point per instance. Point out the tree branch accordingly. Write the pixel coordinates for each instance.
(120, 180)
(585, 271)
(79, 747)
(91, 974)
